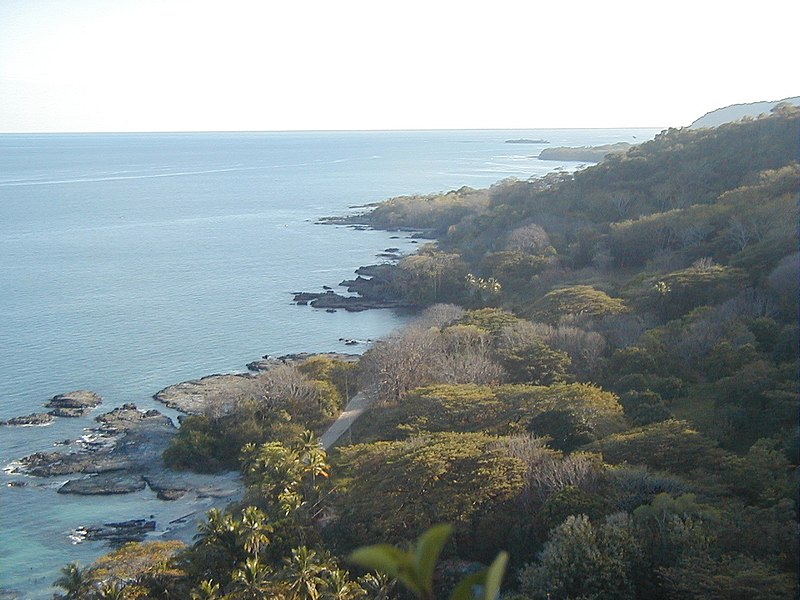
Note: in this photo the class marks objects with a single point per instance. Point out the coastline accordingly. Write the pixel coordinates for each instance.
(108, 354)
(196, 493)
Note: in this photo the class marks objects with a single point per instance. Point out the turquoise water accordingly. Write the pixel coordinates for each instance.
(129, 262)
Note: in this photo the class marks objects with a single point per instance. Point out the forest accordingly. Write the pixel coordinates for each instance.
(599, 397)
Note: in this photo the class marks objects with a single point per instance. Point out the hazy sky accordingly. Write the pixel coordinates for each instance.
(172, 65)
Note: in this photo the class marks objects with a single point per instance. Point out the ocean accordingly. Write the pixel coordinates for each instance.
(129, 262)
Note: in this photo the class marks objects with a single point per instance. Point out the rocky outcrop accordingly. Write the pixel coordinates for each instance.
(73, 404)
(331, 300)
(584, 153)
(267, 362)
(128, 417)
(35, 419)
(117, 482)
(126, 444)
(215, 393)
(376, 286)
(115, 534)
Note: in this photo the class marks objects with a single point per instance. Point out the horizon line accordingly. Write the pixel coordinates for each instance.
(365, 130)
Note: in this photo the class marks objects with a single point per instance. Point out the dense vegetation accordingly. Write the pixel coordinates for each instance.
(614, 400)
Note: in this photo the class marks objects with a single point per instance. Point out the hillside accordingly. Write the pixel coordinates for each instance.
(736, 112)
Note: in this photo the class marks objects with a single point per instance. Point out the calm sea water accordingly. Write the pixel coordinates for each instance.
(129, 262)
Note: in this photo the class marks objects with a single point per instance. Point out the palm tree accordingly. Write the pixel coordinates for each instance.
(251, 582)
(303, 575)
(253, 530)
(221, 532)
(72, 581)
(207, 590)
(341, 587)
(378, 585)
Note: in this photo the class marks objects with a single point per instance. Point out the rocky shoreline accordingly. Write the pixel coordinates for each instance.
(121, 452)
(375, 286)
(71, 405)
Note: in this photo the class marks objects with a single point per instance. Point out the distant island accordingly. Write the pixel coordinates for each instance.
(584, 153)
(527, 141)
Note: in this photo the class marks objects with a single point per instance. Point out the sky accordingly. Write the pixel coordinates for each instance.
(242, 65)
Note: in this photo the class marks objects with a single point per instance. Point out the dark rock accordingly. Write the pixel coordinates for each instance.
(116, 534)
(129, 440)
(104, 484)
(265, 363)
(69, 412)
(30, 420)
(73, 404)
(355, 303)
(167, 486)
(303, 298)
(50, 464)
(128, 417)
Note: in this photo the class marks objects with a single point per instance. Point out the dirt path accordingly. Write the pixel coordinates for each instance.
(354, 409)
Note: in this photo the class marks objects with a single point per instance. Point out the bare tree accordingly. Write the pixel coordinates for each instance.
(530, 239)
(439, 315)
(548, 471)
(465, 356)
(556, 473)
(400, 363)
(418, 356)
(285, 385)
(739, 233)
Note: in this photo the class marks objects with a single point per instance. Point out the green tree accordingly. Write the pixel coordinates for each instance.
(303, 575)
(341, 587)
(577, 300)
(731, 577)
(535, 363)
(669, 445)
(391, 491)
(251, 582)
(583, 561)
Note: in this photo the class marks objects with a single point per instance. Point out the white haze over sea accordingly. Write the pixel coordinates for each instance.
(129, 262)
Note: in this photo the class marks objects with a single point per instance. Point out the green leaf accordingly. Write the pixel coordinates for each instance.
(380, 557)
(494, 576)
(390, 560)
(466, 586)
(489, 579)
(429, 547)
